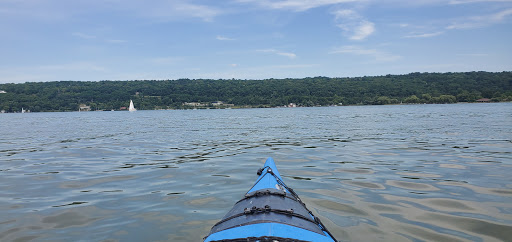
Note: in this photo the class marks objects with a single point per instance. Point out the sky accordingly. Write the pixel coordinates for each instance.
(93, 40)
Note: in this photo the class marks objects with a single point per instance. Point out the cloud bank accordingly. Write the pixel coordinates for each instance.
(355, 26)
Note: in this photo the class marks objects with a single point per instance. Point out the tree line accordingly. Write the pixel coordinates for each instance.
(310, 91)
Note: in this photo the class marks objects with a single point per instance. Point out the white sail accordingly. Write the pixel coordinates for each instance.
(132, 108)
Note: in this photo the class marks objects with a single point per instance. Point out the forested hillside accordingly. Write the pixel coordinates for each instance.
(163, 94)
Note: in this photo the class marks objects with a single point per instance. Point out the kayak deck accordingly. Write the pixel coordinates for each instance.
(269, 211)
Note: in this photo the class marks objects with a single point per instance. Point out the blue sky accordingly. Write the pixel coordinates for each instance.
(92, 40)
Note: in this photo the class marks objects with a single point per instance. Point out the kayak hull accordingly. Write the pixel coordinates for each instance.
(270, 209)
(269, 230)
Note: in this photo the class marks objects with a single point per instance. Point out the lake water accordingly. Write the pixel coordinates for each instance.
(371, 173)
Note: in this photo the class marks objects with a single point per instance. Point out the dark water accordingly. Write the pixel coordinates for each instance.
(372, 173)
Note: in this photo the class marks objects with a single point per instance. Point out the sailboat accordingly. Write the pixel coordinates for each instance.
(131, 108)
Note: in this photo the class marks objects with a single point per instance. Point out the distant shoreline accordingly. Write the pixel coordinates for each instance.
(352, 105)
(411, 88)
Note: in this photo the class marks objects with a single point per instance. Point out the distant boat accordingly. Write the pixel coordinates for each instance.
(22, 110)
(131, 108)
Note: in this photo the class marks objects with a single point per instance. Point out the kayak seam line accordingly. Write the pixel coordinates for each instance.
(269, 210)
(315, 218)
(259, 239)
(285, 195)
(263, 222)
(261, 177)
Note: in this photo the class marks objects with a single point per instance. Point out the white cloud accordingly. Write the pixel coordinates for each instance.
(220, 37)
(91, 37)
(233, 65)
(481, 21)
(353, 24)
(165, 10)
(277, 52)
(425, 35)
(159, 10)
(441, 26)
(374, 53)
(204, 12)
(346, 14)
(363, 30)
(287, 54)
(476, 1)
(296, 5)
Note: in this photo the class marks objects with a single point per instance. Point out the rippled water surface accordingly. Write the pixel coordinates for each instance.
(372, 173)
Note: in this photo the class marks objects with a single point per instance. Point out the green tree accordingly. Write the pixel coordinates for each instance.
(383, 100)
(426, 98)
(412, 99)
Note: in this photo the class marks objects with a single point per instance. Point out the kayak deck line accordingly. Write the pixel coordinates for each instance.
(269, 211)
(261, 239)
(281, 206)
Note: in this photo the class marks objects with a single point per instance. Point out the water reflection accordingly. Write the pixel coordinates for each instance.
(412, 185)
(393, 173)
(369, 185)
